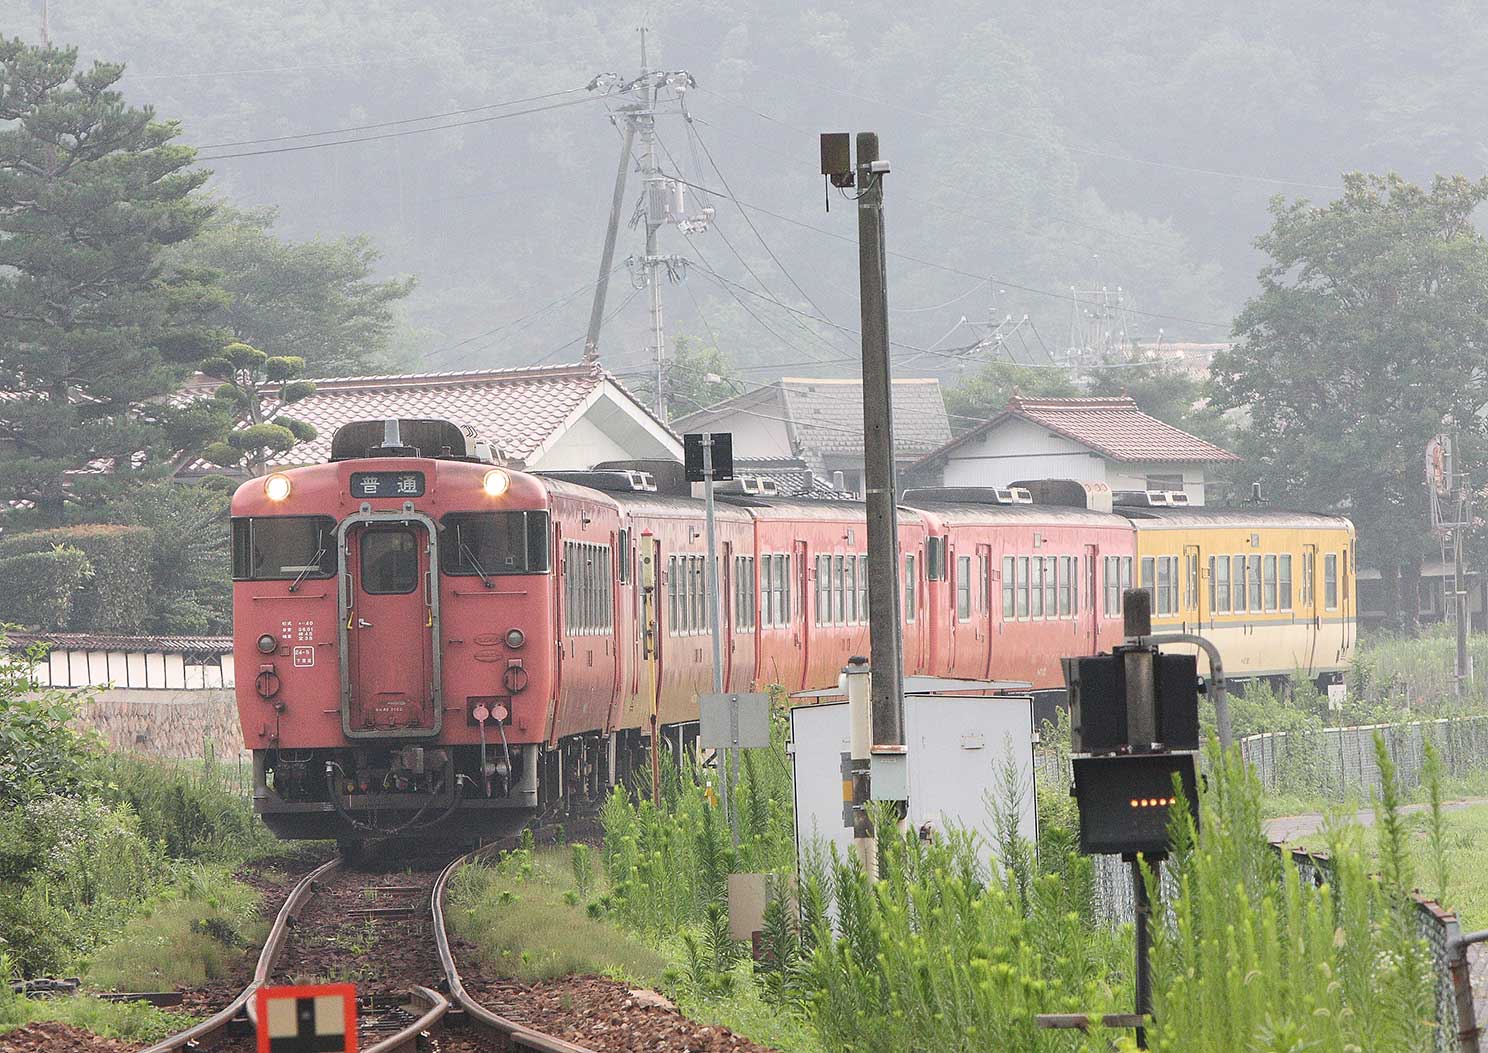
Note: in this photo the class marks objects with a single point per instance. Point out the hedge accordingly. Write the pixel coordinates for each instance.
(119, 558)
(41, 589)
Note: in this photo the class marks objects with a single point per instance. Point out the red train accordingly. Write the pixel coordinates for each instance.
(424, 637)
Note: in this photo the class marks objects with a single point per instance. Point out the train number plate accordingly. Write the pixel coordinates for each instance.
(387, 484)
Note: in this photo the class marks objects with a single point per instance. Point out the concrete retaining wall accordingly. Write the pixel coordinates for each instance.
(178, 725)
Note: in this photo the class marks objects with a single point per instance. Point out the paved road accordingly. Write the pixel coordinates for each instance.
(1293, 827)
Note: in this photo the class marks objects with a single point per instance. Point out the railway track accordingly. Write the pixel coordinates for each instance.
(385, 933)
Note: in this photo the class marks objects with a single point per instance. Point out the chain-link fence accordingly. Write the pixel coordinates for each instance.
(1339, 762)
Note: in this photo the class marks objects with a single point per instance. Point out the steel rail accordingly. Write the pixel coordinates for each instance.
(272, 947)
(407, 1040)
(516, 1037)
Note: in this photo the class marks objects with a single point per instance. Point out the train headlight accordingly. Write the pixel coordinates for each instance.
(496, 482)
(277, 487)
(515, 638)
(267, 644)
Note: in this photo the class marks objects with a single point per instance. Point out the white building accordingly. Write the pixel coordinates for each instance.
(1106, 440)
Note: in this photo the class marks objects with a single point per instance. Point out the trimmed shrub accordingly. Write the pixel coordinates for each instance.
(119, 557)
(42, 589)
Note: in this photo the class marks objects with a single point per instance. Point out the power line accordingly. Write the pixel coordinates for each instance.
(1038, 141)
(578, 339)
(942, 266)
(391, 124)
(406, 131)
(565, 298)
(321, 66)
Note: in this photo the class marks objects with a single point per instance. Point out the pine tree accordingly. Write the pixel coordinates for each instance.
(94, 330)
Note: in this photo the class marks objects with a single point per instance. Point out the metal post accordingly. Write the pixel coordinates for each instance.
(713, 629)
(879, 490)
(607, 258)
(858, 684)
(1459, 599)
(1144, 945)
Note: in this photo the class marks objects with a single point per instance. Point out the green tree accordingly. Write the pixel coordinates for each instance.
(314, 300)
(1369, 332)
(696, 375)
(94, 328)
(250, 379)
(985, 393)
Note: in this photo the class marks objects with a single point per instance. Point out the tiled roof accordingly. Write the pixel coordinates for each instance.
(828, 415)
(1113, 427)
(793, 477)
(825, 415)
(518, 410)
(196, 645)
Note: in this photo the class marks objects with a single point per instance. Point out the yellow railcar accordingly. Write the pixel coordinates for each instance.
(1274, 590)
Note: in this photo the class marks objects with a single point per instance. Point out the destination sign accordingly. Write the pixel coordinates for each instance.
(387, 484)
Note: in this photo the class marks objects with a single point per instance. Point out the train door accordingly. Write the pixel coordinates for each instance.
(726, 608)
(798, 582)
(390, 676)
(1307, 605)
(1093, 596)
(1193, 618)
(985, 592)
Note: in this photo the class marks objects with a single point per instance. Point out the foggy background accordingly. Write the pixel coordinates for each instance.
(1036, 147)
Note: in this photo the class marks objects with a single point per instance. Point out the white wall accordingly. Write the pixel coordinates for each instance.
(135, 669)
(1019, 449)
(582, 445)
(754, 435)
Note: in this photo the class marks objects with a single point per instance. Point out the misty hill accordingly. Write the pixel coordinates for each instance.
(1036, 147)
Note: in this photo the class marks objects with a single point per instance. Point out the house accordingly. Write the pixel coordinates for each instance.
(1108, 440)
(547, 417)
(820, 422)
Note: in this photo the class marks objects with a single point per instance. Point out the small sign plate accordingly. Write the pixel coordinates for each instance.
(739, 721)
(304, 657)
(316, 1018)
(387, 484)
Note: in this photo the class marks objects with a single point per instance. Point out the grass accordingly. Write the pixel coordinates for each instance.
(525, 919)
(1466, 845)
(185, 936)
(130, 1021)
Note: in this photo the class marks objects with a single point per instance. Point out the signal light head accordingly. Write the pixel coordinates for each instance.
(496, 482)
(1153, 802)
(277, 487)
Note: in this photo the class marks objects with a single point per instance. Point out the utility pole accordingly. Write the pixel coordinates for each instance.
(1459, 582)
(662, 201)
(886, 654)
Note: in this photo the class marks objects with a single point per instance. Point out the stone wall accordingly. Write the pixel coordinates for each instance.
(175, 725)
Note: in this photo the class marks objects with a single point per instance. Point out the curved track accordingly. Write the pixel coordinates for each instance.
(401, 1023)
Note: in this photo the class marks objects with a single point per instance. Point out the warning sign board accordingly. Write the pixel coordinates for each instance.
(318, 1018)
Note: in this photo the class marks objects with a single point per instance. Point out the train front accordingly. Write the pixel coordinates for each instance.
(389, 626)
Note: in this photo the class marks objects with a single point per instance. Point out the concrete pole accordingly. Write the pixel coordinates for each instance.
(884, 626)
(710, 537)
(607, 258)
(857, 682)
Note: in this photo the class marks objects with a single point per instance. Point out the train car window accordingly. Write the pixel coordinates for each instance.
(1112, 586)
(1268, 579)
(1009, 588)
(1284, 583)
(1330, 581)
(278, 548)
(1238, 577)
(1164, 590)
(390, 562)
(1149, 579)
(984, 584)
(821, 593)
(1036, 587)
(1022, 586)
(1074, 585)
(783, 589)
(1191, 582)
(624, 550)
(1066, 582)
(490, 543)
(1219, 588)
(1309, 573)
(909, 587)
(767, 591)
(850, 587)
(1051, 591)
(963, 588)
(862, 588)
(1126, 580)
(1255, 583)
(839, 605)
(935, 558)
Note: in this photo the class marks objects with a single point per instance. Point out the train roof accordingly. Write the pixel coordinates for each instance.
(1207, 517)
(1020, 515)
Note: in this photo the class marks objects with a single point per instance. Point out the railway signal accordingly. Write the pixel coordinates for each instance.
(1134, 716)
(314, 1018)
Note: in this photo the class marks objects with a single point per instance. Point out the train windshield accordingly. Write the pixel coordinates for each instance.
(488, 543)
(276, 548)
